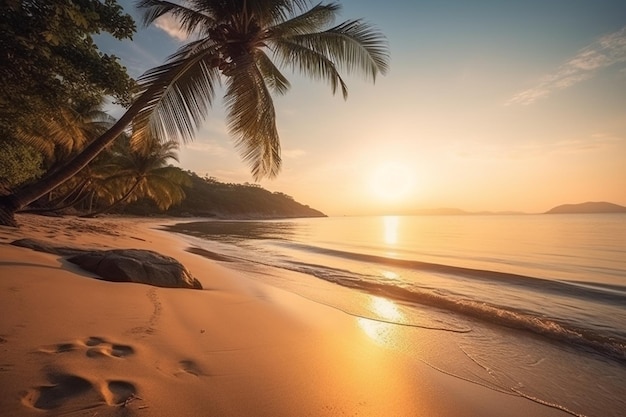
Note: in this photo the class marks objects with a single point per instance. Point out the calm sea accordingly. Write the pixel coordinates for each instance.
(532, 305)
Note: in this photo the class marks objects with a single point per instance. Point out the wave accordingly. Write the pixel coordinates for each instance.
(610, 346)
(610, 294)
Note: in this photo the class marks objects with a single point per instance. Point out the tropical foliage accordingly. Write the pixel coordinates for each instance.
(239, 45)
(18, 164)
(48, 59)
(143, 172)
(209, 197)
(246, 42)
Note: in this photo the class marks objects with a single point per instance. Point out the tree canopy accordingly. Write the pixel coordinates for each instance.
(49, 60)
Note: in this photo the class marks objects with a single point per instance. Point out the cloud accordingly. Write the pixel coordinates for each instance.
(541, 149)
(606, 51)
(171, 26)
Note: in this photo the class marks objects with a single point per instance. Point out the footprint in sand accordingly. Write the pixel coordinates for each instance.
(72, 392)
(190, 367)
(101, 347)
(60, 348)
(95, 347)
(62, 387)
(69, 392)
(119, 392)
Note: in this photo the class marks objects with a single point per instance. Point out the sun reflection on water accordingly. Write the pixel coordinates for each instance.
(387, 311)
(391, 229)
(389, 275)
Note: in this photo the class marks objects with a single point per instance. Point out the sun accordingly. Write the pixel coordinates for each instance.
(392, 181)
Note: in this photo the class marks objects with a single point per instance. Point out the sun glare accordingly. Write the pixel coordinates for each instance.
(381, 331)
(391, 229)
(391, 182)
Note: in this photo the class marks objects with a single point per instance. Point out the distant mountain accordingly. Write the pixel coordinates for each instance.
(442, 211)
(445, 211)
(589, 207)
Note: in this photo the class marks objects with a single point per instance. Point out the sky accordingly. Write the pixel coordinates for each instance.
(496, 105)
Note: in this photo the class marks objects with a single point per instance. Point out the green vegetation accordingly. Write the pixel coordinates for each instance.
(137, 180)
(208, 197)
(172, 100)
(18, 163)
(143, 173)
(48, 59)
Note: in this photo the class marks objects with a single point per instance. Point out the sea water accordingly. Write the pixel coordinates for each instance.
(529, 305)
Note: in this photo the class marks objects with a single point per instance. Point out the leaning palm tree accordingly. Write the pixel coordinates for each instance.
(144, 173)
(242, 44)
(63, 135)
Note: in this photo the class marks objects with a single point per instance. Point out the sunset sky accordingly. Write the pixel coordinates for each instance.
(489, 105)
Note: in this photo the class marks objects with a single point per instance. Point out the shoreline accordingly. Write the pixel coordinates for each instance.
(74, 345)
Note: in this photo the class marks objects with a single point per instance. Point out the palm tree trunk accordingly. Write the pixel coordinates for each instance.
(118, 202)
(80, 196)
(11, 203)
(60, 202)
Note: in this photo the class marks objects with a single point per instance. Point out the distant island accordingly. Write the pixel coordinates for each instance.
(587, 208)
(449, 211)
(582, 208)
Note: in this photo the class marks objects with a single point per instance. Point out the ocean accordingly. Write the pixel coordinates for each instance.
(529, 305)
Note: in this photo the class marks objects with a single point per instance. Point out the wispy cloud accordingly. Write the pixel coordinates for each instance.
(598, 142)
(171, 26)
(606, 51)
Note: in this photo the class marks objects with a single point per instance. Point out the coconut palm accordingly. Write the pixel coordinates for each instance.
(66, 133)
(242, 44)
(63, 135)
(144, 172)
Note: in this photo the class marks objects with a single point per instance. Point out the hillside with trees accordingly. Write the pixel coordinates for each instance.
(207, 197)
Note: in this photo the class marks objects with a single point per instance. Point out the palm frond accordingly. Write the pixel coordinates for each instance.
(310, 63)
(274, 79)
(312, 20)
(354, 45)
(252, 120)
(177, 96)
(270, 12)
(190, 19)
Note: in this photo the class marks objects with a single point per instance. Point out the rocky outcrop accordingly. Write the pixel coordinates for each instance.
(123, 265)
(136, 265)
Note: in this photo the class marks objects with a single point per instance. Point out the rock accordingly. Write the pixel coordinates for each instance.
(40, 246)
(136, 265)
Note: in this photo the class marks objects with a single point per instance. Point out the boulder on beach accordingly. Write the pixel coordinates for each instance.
(137, 265)
(122, 265)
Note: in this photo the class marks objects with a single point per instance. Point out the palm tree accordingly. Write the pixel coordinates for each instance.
(240, 43)
(144, 172)
(60, 137)
(67, 132)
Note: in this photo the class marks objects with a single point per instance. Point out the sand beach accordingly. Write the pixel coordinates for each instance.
(74, 345)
